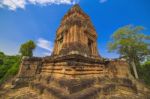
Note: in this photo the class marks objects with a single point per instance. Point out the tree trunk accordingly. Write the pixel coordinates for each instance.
(134, 70)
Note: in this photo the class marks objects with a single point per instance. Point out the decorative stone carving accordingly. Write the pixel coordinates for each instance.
(75, 69)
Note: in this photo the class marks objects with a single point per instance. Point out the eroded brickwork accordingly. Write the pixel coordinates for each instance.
(75, 70)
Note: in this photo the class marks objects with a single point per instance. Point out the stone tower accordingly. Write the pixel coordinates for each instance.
(76, 35)
(75, 70)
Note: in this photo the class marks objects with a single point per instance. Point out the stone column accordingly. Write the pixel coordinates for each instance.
(84, 38)
(58, 46)
(79, 35)
(56, 49)
(65, 39)
(94, 48)
(96, 51)
(69, 38)
(72, 32)
(76, 34)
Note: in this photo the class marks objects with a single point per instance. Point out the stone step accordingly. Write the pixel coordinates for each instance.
(69, 69)
(74, 73)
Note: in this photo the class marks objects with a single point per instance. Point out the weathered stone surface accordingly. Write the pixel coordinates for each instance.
(75, 70)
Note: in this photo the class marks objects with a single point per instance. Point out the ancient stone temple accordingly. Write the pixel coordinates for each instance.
(76, 35)
(75, 70)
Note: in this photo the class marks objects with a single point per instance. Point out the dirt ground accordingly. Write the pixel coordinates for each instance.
(22, 93)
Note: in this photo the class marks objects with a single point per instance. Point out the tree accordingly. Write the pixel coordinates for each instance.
(146, 72)
(27, 48)
(130, 42)
(9, 66)
(2, 55)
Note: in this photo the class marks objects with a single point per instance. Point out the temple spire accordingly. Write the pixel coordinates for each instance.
(76, 34)
(76, 7)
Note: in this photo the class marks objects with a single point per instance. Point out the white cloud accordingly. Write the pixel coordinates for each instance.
(45, 44)
(103, 1)
(14, 4)
(45, 2)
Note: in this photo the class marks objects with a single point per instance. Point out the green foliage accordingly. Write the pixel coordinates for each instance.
(130, 42)
(1, 57)
(145, 72)
(2, 54)
(27, 48)
(9, 66)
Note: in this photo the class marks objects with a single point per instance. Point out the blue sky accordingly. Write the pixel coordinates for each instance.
(38, 20)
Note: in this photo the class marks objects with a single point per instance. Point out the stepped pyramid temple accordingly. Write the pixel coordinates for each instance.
(75, 70)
